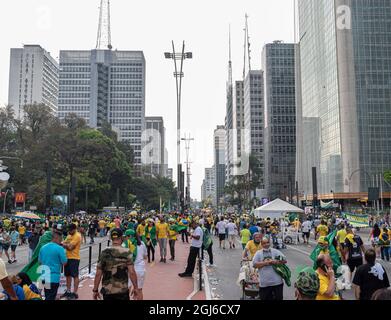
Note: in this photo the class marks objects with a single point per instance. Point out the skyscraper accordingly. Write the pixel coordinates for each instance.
(345, 64)
(155, 133)
(278, 60)
(208, 188)
(33, 78)
(105, 86)
(254, 119)
(219, 163)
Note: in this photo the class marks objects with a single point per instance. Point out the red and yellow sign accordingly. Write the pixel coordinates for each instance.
(20, 197)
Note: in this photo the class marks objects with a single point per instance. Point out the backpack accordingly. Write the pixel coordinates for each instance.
(384, 240)
(207, 239)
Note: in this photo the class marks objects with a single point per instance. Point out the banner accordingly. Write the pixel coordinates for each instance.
(357, 220)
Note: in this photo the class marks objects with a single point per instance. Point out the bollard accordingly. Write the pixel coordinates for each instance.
(89, 259)
(100, 250)
(200, 270)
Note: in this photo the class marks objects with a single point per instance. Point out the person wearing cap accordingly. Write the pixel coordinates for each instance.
(307, 285)
(72, 246)
(52, 258)
(114, 269)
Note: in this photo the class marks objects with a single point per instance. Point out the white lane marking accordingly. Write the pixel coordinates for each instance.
(299, 250)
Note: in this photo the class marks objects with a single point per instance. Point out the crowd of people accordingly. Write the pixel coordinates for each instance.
(137, 238)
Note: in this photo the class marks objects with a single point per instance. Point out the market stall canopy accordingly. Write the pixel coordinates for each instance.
(27, 215)
(276, 209)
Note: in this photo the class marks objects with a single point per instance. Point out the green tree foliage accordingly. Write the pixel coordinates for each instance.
(99, 162)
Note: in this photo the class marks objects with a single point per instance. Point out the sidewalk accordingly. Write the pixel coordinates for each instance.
(161, 281)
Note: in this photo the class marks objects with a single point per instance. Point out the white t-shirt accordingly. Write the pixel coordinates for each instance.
(221, 227)
(197, 243)
(232, 229)
(139, 263)
(306, 226)
(3, 271)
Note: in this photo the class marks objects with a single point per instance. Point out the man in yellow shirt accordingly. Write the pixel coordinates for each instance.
(102, 227)
(141, 229)
(326, 277)
(71, 270)
(22, 232)
(341, 236)
(162, 232)
(322, 230)
(252, 247)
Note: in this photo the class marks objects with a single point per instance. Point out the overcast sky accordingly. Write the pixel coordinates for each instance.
(150, 25)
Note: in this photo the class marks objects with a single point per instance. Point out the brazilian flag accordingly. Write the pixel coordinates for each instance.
(31, 268)
(329, 250)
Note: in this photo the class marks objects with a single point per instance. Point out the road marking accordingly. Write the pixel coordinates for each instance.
(299, 250)
(206, 282)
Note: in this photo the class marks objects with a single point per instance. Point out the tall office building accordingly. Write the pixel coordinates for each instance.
(208, 188)
(278, 60)
(105, 86)
(219, 163)
(345, 65)
(254, 119)
(169, 174)
(33, 79)
(155, 134)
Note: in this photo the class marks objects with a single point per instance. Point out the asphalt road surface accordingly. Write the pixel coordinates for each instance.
(223, 278)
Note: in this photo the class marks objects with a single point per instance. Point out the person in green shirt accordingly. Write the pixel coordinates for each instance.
(245, 235)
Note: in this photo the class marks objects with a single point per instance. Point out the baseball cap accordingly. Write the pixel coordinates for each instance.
(308, 283)
(116, 233)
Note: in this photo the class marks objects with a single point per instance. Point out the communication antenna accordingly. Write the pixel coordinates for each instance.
(104, 28)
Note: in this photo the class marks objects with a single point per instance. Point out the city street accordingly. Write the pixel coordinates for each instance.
(223, 278)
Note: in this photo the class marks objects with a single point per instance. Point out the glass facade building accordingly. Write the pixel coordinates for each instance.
(345, 66)
(219, 163)
(105, 85)
(278, 60)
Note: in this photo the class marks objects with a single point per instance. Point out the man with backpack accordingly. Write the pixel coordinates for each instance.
(384, 242)
(354, 250)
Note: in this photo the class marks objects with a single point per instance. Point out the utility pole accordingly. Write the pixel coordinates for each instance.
(188, 140)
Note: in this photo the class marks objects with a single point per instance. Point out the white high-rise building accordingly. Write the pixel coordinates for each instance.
(105, 86)
(33, 79)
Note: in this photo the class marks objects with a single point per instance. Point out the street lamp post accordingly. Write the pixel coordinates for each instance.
(175, 56)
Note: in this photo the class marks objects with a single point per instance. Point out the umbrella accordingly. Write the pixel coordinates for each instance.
(27, 215)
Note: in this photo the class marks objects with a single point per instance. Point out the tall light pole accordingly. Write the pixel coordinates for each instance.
(182, 56)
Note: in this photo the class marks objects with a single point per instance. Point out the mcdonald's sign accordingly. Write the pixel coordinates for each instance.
(20, 197)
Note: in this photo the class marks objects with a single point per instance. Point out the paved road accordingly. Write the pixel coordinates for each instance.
(223, 278)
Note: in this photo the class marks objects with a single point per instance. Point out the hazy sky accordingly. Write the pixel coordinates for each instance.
(150, 25)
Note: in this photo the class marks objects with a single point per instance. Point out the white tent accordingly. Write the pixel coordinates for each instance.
(276, 209)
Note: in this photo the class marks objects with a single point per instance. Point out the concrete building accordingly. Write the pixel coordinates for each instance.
(105, 85)
(33, 79)
(278, 63)
(254, 120)
(169, 174)
(154, 136)
(345, 66)
(219, 163)
(208, 188)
